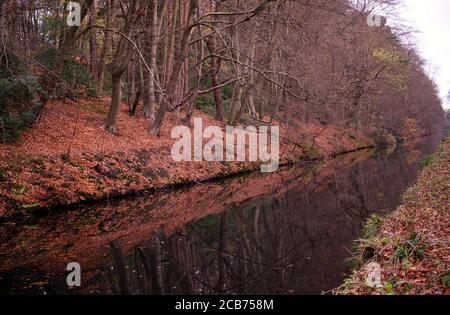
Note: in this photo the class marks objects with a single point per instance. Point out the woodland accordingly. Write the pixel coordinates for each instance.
(86, 113)
(239, 61)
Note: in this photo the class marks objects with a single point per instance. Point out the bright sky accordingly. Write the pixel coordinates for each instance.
(431, 18)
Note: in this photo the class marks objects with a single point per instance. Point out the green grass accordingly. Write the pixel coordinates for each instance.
(368, 246)
(428, 161)
(445, 280)
(19, 190)
(410, 197)
(30, 206)
(3, 175)
(412, 248)
(311, 153)
(372, 226)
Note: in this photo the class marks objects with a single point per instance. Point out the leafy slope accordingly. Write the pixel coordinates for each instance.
(67, 158)
(412, 244)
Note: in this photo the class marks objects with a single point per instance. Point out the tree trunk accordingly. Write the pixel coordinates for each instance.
(215, 68)
(120, 63)
(68, 47)
(106, 47)
(139, 92)
(251, 105)
(150, 102)
(236, 104)
(93, 41)
(114, 110)
(179, 60)
(131, 78)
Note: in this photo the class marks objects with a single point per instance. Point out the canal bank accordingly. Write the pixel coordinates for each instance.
(407, 252)
(66, 159)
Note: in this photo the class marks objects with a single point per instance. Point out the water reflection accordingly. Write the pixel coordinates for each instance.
(284, 233)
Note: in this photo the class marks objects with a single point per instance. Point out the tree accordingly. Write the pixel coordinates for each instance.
(179, 57)
(68, 37)
(266, 60)
(120, 63)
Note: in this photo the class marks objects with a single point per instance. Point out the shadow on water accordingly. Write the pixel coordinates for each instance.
(283, 233)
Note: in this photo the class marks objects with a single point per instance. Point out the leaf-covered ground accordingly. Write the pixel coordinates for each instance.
(412, 244)
(67, 158)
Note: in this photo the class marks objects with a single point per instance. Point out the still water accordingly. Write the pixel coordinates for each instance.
(284, 233)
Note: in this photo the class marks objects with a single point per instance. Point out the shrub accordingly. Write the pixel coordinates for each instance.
(227, 92)
(382, 137)
(79, 75)
(75, 75)
(205, 101)
(3, 175)
(21, 97)
(20, 105)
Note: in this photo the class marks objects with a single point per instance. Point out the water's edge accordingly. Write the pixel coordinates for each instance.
(306, 219)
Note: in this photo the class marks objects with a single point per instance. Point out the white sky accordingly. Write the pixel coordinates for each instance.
(431, 18)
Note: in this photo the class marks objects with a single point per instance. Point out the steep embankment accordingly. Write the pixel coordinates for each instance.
(411, 245)
(66, 158)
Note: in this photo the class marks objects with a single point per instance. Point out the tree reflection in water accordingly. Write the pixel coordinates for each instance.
(293, 242)
(283, 233)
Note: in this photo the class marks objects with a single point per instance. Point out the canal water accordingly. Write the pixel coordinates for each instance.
(285, 233)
